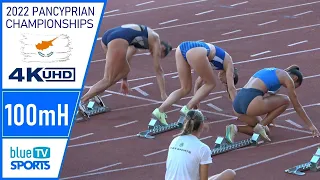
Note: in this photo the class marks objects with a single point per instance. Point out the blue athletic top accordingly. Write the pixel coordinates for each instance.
(269, 78)
(217, 61)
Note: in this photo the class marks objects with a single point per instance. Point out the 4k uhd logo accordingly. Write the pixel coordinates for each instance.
(30, 159)
(44, 74)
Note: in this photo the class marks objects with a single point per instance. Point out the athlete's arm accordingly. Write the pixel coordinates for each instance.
(156, 53)
(230, 82)
(197, 84)
(295, 102)
(130, 52)
(204, 171)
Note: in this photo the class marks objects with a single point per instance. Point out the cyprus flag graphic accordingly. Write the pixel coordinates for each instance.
(45, 48)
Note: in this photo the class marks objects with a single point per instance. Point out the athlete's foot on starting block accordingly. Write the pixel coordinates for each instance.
(266, 128)
(231, 131)
(184, 111)
(160, 116)
(82, 109)
(259, 129)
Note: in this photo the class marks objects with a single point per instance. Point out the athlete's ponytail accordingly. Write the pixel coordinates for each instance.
(192, 122)
(236, 76)
(295, 70)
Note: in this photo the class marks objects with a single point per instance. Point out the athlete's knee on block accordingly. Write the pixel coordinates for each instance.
(229, 174)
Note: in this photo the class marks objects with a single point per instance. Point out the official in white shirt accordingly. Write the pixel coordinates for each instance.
(188, 157)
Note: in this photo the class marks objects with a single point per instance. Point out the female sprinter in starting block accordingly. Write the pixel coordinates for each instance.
(203, 58)
(189, 158)
(120, 44)
(250, 102)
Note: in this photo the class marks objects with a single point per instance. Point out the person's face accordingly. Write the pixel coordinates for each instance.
(163, 51)
(222, 77)
(295, 80)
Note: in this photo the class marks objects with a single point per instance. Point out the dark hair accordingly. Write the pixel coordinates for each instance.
(295, 70)
(192, 122)
(168, 48)
(236, 76)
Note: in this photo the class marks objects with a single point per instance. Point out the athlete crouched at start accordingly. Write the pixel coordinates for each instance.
(120, 44)
(250, 102)
(189, 158)
(204, 58)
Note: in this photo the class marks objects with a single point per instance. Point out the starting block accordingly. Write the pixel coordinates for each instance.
(222, 145)
(155, 127)
(94, 107)
(312, 165)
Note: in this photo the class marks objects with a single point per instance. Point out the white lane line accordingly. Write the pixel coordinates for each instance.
(142, 54)
(115, 170)
(264, 52)
(162, 7)
(144, 3)
(300, 42)
(101, 141)
(309, 105)
(205, 12)
(244, 37)
(276, 157)
(214, 107)
(82, 136)
(228, 17)
(302, 13)
(231, 32)
(292, 129)
(143, 85)
(128, 123)
(116, 10)
(294, 123)
(280, 55)
(157, 152)
(212, 99)
(104, 167)
(137, 106)
(278, 142)
(164, 162)
(204, 138)
(239, 4)
(317, 75)
(235, 16)
(173, 110)
(166, 22)
(141, 91)
(174, 77)
(267, 22)
(106, 95)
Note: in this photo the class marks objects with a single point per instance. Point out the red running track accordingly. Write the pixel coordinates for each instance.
(106, 146)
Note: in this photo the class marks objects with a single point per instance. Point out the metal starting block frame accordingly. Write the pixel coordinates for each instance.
(94, 107)
(222, 145)
(312, 165)
(155, 127)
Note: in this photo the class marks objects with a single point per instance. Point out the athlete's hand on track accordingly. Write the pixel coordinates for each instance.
(314, 131)
(125, 88)
(197, 106)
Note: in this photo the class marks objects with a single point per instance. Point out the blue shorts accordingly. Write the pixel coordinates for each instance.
(187, 45)
(244, 98)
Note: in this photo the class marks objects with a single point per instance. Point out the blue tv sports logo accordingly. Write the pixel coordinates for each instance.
(21, 156)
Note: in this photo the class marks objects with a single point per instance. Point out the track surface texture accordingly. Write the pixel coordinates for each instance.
(257, 34)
